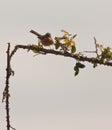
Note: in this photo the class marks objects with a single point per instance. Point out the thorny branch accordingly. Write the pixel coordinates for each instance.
(6, 93)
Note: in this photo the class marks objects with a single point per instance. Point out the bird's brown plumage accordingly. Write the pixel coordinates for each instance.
(45, 39)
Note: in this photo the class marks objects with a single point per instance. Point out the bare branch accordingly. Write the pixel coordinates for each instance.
(6, 93)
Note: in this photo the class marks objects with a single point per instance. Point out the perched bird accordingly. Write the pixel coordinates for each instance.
(46, 39)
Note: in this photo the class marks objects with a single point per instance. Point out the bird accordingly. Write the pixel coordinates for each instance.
(45, 39)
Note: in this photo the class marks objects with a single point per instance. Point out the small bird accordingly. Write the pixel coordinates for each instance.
(46, 39)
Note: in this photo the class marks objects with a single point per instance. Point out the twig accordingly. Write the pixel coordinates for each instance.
(12, 128)
(89, 51)
(95, 42)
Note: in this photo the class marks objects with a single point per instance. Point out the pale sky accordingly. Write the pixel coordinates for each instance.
(45, 95)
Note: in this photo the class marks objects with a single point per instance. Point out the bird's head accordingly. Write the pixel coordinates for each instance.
(48, 34)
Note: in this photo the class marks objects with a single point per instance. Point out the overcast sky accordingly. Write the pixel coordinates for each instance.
(45, 95)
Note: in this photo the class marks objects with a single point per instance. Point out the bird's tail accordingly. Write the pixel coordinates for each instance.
(36, 33)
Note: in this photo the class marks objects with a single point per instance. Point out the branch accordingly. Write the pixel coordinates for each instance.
(6, 94)
(61, 53)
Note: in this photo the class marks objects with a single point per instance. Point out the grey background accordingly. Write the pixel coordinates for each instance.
(44, 92)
